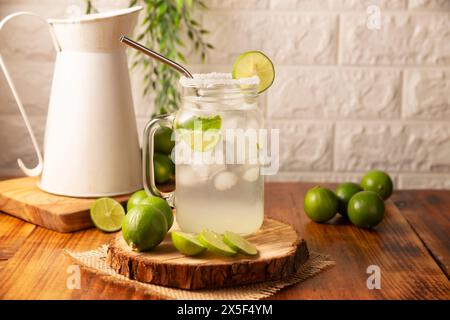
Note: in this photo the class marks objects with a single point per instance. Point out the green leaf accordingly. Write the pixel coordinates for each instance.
(202, 123)
(140, 37)
(134, 64)
(179, 4)
(162, 23)
(201, 4)
(181, 57)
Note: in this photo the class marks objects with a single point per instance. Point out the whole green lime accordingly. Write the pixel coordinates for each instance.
(162, 206)
(379, 182)
(164, 167)
(136, 198)
(344, 192)
(143, 228)
(320, 204)
(163, 140)
(365, 209)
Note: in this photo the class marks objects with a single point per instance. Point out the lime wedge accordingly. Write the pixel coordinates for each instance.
(255, 63)
(107, 214)
(239, 244)
(187, 243)
(200, 133)
(214, 243)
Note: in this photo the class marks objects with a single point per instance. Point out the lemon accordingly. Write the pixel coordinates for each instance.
(255, 63)
(187, 243)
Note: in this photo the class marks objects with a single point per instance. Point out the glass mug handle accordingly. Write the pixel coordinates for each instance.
(148, 150)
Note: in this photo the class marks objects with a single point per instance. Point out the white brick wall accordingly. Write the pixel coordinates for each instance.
(346, 98)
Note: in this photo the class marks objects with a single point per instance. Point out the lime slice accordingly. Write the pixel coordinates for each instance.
(214, 243)
(200, 133)
(239, 244)
(107, 214)
(255, 63)
(187, 243)
(200, 140)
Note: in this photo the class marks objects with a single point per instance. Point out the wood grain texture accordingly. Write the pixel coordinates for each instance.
(13, 233)
(428, 213)
(23, 199)
(38, 268)
(281, 253)
(407, 270)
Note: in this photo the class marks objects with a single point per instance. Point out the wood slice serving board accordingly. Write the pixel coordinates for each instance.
(281, 254)
(23, 199)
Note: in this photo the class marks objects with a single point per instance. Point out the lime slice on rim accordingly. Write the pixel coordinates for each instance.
(107, 214)
(187, 243)
(255, 63)
(214, 243)
(201, 133)
(239, 244)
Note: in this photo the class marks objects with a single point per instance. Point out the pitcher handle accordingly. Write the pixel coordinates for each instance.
(147, 156)
(33, 172)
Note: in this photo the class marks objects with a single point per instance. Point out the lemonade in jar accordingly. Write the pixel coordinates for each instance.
(219, 185)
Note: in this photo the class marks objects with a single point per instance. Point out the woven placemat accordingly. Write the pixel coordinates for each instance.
(95, 261)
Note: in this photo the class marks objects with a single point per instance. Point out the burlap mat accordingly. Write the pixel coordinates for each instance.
(95, 261)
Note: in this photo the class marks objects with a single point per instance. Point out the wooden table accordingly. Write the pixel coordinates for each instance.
(411, 247)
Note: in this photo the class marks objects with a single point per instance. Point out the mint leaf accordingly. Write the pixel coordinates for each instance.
(201, 123)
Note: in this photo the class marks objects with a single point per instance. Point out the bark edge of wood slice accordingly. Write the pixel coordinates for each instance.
(282, 252)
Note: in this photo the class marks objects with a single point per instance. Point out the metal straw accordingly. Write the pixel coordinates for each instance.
(155, 55)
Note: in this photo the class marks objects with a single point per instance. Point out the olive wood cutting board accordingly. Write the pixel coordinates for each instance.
(23, 199)
(281, 253)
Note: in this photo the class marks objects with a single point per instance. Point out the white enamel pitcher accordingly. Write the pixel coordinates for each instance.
(91, 146)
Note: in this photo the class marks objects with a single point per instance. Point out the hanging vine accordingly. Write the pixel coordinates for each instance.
(162, 27)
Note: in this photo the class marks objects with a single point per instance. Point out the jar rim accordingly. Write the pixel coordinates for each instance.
(215, 80)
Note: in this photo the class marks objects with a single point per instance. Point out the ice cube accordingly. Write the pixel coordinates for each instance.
(251, 174)
(185, 176)
(225, 180)
(206, 171)
(232, 122)
(201, 171)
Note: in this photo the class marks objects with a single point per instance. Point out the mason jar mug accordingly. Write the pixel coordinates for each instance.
(218, 182)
